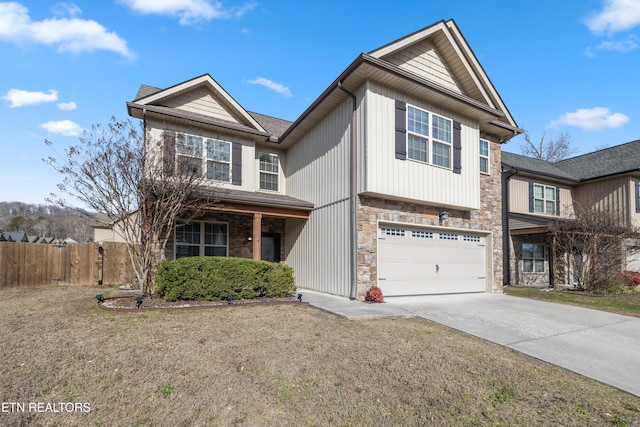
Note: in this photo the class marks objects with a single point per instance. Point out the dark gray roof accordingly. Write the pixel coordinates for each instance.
(610, 161)
(146, 91)
(15, 236)
(537, 166)
(274, 126)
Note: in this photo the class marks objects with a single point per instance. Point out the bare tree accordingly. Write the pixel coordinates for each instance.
(130, 177)
(552, 150)
(594, 244)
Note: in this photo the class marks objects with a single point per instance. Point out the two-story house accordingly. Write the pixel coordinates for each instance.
(538, 193)
(391, 177)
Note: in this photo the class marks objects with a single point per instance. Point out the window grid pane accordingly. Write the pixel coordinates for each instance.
(441, 129)
(418, 121)
(218, 150)
(484, 165)
(218, 171)
(268, 181)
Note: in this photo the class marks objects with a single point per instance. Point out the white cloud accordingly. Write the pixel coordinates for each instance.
(622, 46)
(69, 34)
(65, 127)
(188, 11)
(592, 119)
(617, 15)
(67, 106)
(20, 98)
(276, 87)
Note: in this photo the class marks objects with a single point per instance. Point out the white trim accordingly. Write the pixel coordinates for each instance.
(488, 156)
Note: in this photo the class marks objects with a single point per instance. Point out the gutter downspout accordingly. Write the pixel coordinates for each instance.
(353, 193)
(506, 245)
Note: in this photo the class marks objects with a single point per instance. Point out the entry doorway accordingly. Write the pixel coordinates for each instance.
(270, 247)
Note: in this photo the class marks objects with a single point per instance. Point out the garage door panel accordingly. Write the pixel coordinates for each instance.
(410, 264)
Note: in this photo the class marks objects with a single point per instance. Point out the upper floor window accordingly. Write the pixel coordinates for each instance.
(428, 137)
(544, 199)
(269, 170)
(484, 156)
(200, 154)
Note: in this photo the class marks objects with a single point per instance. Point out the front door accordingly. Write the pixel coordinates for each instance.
(270, 247)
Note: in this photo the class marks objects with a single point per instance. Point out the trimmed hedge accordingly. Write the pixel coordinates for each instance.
(213, 278)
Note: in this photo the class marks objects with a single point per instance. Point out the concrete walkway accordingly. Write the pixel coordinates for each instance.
(599, 345)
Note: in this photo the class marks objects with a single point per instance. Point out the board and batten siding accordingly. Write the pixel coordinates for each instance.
(411, 180)
(317, 170)
(201, 101)
(423, 59)
(611, 195)
(519, 196)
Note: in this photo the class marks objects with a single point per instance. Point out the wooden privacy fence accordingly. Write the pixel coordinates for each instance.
(33, 264)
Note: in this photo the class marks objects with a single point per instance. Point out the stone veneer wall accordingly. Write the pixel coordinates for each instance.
(487, 218)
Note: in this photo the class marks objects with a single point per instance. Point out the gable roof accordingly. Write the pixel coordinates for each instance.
(231, 114)
(470, 92)
(609, 161)
(624, 158)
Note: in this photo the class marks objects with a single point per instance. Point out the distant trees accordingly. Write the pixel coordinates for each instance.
(45, 220)
(552, 150)
(134, 180)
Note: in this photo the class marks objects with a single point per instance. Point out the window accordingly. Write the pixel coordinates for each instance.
(201, 239)
(532, 258)
(196, 153)
(484, 156)
(544, 199)
(218, 160)
(268, 171)
(428, 137)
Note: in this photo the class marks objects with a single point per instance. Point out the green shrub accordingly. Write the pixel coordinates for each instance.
(213, 278)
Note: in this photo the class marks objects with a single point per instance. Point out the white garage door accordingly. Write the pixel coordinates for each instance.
(416, 261)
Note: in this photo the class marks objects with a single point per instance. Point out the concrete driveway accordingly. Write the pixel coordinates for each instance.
(596, 344)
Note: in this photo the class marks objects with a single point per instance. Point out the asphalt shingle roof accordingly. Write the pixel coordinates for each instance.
(609, 161)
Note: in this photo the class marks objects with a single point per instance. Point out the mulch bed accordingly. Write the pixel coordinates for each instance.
(128, 303)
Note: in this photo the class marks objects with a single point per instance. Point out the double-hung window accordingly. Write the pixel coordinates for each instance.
(544, 198)
(218, 160)
(428, 137)
(268, 171)
(484, 156)
(201, 239)
(189, 152)
(532, 258)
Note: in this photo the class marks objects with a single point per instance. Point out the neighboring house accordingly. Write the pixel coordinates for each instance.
(104, 230)
(538, 193)
(391, 177)
(16, 236)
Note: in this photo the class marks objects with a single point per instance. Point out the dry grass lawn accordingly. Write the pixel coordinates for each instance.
(287, 365)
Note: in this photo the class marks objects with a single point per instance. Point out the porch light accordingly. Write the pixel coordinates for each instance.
(442, 216)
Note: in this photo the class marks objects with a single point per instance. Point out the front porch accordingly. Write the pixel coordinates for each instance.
(238, 224)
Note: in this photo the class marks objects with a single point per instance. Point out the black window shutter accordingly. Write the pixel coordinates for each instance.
(531, 197)
(637, 196)
(236, 164)
(557, 201)
(169, 154)
(401, 130)
(457, 147)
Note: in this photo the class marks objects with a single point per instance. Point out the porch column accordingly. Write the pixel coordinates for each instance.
(257, 235)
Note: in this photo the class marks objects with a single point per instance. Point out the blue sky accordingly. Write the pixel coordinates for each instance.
(560, 66)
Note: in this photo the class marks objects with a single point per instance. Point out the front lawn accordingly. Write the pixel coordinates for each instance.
(282, 365)
(627, 304)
